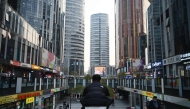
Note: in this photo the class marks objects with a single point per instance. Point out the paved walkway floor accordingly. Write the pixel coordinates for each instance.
(119, 104)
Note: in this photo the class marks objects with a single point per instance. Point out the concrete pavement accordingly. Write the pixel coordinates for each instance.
(119, 104)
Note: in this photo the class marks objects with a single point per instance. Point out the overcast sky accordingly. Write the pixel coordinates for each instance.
(99, 6)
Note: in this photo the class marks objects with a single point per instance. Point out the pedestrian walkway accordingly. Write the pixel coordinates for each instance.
(119, 104)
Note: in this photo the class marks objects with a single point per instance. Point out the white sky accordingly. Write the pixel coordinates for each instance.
(99, 6)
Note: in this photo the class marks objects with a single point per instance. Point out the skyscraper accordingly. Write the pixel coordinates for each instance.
(129, 24)
(48, 18)
(99, 40)
(74, 36)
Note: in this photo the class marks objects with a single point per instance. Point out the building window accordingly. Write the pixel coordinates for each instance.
(32, 57)
(10, 49)
(3, 46)
(28, 55)
(23, 52)
(36, 57)
(18, 51)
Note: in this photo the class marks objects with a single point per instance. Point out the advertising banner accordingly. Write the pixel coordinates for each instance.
(30, 100)
(48, 59)
(8, 99)
(29, 95)
(15, 63)
(148, 94)
(25, 65)
(35, 67)
(138, 64)
(100, 70)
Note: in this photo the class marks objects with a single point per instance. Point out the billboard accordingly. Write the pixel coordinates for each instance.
(48, 59)
(100, 70)
(138, 64)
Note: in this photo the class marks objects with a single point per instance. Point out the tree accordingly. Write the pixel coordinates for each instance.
(78, 89)
(111, 77)
(111, 92)
(121, 75)
(88, 76)
(104, 82)
(74, 73)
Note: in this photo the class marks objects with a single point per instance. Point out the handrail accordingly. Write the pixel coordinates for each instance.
(95, 107)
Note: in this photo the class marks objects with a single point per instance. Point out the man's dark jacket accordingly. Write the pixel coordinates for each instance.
(95, 94)
(151, 105)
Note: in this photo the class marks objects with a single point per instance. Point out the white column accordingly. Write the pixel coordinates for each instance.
(47, 83)
(113, 83)
(18, 85)
(53, 101)
(84, 82)
(59, 82)
(35, 81)
(153, 85)
(75, 82)
(123, 83)
(142, 81)
(107, 82)
(162, 83)
(54, 83)
(131, 98)
(40, 85)
(127, 66)
(180, 87)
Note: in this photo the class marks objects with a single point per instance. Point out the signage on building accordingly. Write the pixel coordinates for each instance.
(15, 63)
(36, 67)
(29, 95)
(185, 56)
(30, 100)
(172, 60)
(148, 94)
(8, 99)
(156, 64)
(55, 90)
(25, 65)
(188, 62)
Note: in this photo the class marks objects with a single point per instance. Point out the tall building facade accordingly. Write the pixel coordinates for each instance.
(48, 19)
(74, 36)
(169, 55)
(118, 9)
(129, 26)
(22, 61)
(154, 32)
(99, 40)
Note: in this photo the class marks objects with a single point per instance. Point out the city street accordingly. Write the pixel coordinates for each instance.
(119, 104)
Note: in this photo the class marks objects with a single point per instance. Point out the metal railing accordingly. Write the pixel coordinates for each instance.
(12, 85)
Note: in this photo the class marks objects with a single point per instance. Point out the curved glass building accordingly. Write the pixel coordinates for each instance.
(74, 37)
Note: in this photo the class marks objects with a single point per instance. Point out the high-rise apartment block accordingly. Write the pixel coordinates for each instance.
(99, 40)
